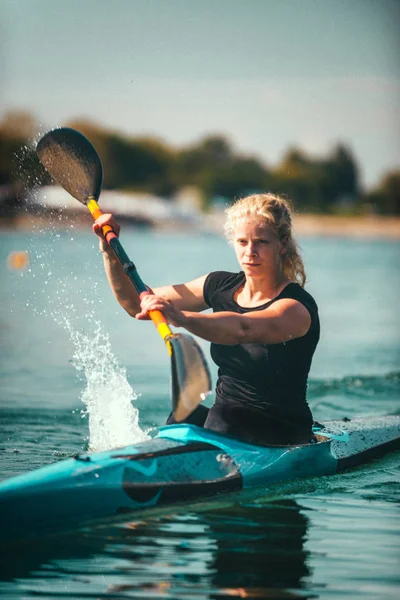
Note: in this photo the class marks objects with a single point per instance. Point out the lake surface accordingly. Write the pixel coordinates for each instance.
(76, 372)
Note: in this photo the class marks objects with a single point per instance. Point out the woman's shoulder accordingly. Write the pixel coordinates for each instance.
(220, 281)
(297, 292)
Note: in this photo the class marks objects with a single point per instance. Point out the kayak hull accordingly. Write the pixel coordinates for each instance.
(182, 463)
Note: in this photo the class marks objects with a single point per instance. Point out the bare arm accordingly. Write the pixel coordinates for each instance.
(186, 296)
(120, 283)
(283, 321)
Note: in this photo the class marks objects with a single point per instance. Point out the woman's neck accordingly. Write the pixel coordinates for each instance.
(261, 290)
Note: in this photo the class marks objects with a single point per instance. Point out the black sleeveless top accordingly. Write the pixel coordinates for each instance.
(265, 378)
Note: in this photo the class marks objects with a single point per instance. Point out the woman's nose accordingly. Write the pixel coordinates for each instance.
(250, 250)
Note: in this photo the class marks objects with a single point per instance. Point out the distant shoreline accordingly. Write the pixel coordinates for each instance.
(347, 226)
(306, 225)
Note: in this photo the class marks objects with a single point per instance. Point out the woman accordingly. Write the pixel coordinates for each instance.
(263, 330)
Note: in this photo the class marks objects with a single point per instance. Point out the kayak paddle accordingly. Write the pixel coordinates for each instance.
(73, 162)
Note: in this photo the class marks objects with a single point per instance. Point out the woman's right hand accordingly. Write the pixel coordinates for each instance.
(105, 219)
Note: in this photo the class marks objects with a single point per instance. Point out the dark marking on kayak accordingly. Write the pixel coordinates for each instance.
(183, 449)
(172, 492)
(144, 483)
(141, 493)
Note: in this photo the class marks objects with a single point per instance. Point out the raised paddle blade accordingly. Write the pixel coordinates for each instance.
(73, 162)
(191, 380)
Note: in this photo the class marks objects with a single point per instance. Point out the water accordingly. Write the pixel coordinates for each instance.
(77, 372)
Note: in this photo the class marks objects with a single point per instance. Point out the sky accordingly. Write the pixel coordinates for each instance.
(267, 74)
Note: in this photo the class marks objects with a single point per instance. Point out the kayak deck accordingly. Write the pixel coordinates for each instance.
(182, 463)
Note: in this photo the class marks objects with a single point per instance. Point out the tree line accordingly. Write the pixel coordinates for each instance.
(212, 165)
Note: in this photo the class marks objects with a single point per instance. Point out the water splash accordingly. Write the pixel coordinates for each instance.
(108, 396)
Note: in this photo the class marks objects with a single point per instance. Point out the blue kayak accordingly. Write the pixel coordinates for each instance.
(182, 463)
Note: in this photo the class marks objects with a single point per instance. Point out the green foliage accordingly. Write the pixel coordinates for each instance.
(385, 198)
(315, 184)
(328, 184)
(213, 166)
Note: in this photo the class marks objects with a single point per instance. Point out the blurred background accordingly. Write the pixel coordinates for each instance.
(192, 104)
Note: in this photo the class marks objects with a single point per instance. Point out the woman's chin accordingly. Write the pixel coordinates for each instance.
(252, 269)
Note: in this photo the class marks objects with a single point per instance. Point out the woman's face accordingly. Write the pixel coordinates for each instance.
(257, 248)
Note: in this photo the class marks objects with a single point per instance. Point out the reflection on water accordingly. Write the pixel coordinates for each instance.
(240, 551)
(314, 545)
(265, 556)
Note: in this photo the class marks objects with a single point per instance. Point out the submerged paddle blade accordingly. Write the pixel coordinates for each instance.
(191, 380)
(72, 161)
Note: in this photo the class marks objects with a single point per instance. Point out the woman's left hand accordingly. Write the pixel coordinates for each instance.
(150, 302)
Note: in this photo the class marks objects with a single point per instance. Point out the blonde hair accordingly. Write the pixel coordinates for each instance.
(277, 212)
